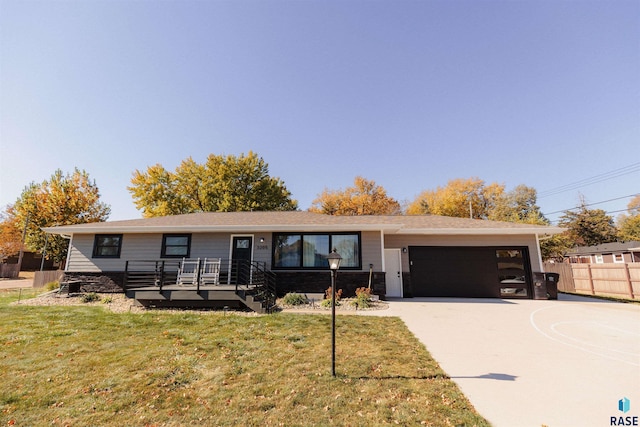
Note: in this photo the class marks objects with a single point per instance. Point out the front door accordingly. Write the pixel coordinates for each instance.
(393, 272)
(241, 253)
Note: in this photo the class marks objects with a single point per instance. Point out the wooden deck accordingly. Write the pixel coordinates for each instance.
(204, 296)
(155, 283)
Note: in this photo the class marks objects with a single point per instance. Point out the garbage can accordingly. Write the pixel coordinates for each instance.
(539, 286)
(551, 281)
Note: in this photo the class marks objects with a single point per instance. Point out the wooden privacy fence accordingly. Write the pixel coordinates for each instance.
(9, 271)
(41, 278)
(612, 280)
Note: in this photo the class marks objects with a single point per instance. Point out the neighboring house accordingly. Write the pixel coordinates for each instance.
(616, 252)
(398, 256)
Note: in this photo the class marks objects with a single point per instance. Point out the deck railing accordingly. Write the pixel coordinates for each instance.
(246, 276)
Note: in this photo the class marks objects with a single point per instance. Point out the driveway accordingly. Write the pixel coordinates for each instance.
(533, 363)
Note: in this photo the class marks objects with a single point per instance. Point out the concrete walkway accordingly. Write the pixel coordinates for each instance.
(16, 283)
(532, 363)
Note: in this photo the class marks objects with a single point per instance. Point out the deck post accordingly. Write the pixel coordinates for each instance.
(126, 276)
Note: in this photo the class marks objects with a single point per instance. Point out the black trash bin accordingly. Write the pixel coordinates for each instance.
(539, 286)
(551, 281)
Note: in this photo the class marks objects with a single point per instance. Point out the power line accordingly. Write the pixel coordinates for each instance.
(616, 173)
(595, 203)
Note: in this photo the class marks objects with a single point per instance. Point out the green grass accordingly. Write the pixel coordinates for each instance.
(88, 366)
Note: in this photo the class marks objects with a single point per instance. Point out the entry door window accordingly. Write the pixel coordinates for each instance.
(242, 248)
(512, 272)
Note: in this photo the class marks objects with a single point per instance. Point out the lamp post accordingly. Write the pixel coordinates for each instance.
(334, 259)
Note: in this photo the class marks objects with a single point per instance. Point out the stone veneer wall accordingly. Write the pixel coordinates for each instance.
(318, 282)
(106, 282)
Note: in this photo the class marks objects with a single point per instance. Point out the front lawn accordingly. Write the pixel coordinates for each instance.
(83, 366)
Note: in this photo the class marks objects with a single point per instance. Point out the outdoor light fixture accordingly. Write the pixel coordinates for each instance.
(262, 240)
(334, 259)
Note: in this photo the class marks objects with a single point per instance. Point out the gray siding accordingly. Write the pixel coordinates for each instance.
(371, 250)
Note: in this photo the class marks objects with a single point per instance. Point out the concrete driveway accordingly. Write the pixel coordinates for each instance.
(533, 363)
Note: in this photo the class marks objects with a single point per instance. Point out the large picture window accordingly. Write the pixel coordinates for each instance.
(176, 245)
(309, 251)
(107, 246)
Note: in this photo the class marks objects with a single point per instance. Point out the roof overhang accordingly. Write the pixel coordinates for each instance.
(483, 231)
(257, 228)
(68, 231)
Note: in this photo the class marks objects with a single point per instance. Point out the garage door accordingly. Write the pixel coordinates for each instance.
(487, 272)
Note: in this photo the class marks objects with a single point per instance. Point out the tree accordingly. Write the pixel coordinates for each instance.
(221, 184)
(62, 200)
(554, 247)
(459, 198)
(518, 205)
(10, 235)
(364, 198)
(629, 225)
(588, 227)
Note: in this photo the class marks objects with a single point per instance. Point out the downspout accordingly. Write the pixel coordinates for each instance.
(540, 264)
(70, 237)
(384, 267)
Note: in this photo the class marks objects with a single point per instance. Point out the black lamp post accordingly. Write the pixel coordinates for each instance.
(334, 259)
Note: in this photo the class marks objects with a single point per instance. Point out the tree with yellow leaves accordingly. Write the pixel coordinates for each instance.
(364, 198)
(221, 184)
(61, 200)
(629, 225)
(464, 198)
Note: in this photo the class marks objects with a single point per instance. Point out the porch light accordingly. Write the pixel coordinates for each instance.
(334, 259)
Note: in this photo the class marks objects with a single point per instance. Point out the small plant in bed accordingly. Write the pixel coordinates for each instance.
(90, 297)
(294, 299)
(363, 298)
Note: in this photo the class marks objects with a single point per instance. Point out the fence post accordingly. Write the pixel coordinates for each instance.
(629, 284)
(593, 291)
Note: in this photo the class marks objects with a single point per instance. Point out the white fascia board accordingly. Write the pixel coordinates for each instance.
(62, 230)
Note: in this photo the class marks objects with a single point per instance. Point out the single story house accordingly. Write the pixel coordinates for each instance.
(398, 256)
(615, 252)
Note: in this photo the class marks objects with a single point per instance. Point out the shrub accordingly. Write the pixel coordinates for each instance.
(90, 297)
(363, 298)
(294, 299)
(107, 300)
(52, 285)
(326, 302)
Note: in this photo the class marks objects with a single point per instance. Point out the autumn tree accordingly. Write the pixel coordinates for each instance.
(10, 235)
(588, 227)
(364, 198)
(221, 184)
(61, 200)
(459, 198)
(629, 224)
(518, 205)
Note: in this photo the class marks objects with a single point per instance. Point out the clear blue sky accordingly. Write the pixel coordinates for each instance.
(409, 94)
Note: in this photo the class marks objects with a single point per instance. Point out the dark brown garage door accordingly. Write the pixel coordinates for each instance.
(444, 271)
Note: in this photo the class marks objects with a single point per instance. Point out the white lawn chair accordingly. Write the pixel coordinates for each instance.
(210, 274)
(188, 272)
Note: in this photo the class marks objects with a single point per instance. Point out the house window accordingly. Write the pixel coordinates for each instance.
(619, 258)
(107, 246)
(599, 259)
(309, 251)
(176, 245)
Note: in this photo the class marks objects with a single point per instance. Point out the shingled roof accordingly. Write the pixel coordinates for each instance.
(605, 248)
(303, 221)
